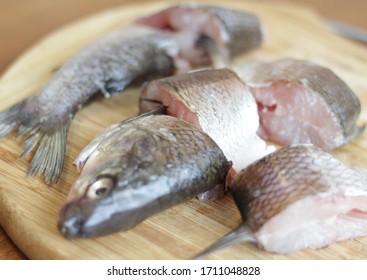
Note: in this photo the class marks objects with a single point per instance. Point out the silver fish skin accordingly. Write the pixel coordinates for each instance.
(218, 102)
(295, 198)
(107, 65)
(133, 170)
(244, 30)
(302, 102)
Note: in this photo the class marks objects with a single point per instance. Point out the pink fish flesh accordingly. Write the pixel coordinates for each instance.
(232, 31)
(301, 102)
(295, 198)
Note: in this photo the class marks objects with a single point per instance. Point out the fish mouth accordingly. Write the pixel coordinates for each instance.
(71, 228)
(71, 222)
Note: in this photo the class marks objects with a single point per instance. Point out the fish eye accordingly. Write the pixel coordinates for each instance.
(100, 187)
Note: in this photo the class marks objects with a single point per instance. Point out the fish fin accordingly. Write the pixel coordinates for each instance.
(47, 137)
(88, 150)
(49, 157)
(108, 132)
(240, 234)
(113, 86)
(214, 193)
(218, 59)
(8, 119)
(103, 89)
(161, 109)
(84, 155)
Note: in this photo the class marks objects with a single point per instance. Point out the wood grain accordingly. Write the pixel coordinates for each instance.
(29, 208)
(8, 249)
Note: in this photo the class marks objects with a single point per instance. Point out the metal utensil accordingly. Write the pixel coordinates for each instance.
(346, 30)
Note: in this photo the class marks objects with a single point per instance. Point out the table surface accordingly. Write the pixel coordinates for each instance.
(24, 22)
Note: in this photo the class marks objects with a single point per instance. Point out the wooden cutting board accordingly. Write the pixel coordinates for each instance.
(29, 208)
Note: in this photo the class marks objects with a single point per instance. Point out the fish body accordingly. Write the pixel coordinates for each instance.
(108, 66)
(135, 169)
(220, 104)
(302, 102)
(298, 197)
(124, 56)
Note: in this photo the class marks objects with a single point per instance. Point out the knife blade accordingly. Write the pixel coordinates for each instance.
(349, 31)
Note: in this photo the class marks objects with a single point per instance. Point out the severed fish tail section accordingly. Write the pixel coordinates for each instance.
(47, 137)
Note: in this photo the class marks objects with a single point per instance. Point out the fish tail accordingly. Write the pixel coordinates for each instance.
(49, 157)
(45, 135)
(8, 119)
(240, 234)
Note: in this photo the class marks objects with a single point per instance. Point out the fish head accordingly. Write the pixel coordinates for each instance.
(103, 200)
(93, 192)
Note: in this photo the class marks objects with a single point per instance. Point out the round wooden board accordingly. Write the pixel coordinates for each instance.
(29, 208)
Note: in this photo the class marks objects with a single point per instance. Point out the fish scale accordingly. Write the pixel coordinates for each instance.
(45, 118)
(222, 106)
(137, 153)
(244, 31)
(312, 204)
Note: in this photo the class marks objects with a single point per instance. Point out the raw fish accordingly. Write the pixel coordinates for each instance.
(301, 102)
(231, 32)
(295, 198)
(122, 57)
(135, 169)
(107, 66)
(219, 103)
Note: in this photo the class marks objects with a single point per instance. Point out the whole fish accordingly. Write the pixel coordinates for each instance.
(219, 103)
(134, 169)
(302, 102)
(110, 64)
(295, 198)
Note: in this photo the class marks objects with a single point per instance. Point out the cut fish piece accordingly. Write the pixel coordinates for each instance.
(232, 31)
(295, 198)
(301, 102)
(219, 103)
